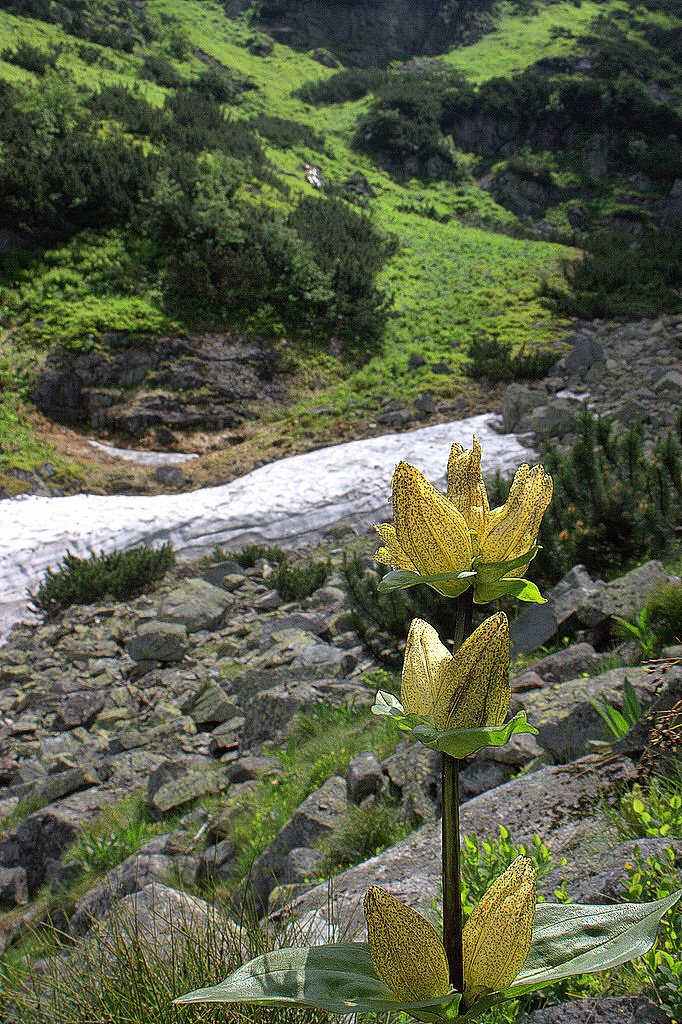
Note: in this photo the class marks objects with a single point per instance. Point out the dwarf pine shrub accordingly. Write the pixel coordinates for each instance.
(119, 575)
(295, 582)
(616, 503)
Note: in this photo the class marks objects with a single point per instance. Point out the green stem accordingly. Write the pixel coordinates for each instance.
(452, 877)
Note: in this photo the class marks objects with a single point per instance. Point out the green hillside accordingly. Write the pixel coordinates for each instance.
(155, 168)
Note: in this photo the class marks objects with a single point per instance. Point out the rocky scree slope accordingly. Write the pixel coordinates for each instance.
(182, 696)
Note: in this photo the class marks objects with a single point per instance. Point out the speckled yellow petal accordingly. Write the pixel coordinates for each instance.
(466, 489)
(497, 936)
(391, 553)
(512, 528)
(473, 685)
(420, 690)
(406, 950)
(429, 529)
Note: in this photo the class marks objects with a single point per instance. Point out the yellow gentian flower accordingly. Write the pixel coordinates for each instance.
(408, 954)
(497, 937)
(433, 533)
(406, 950)
(466, 690)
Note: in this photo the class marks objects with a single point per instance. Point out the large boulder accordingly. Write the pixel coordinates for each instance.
(565, 717)
(560, 804)
(196, 604)
(318, 815)
(158, 641)
(621, 1010)
(58, 394)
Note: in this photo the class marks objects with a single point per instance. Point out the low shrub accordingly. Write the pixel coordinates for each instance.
(615, 503)
(343, 87)
(295, 582)
(119, 575)
(665, 613)
(285, 134)
(495, 360)
(249, 555)
(624, 275)
(31, 58)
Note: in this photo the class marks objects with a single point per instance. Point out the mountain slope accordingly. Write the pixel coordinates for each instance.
(453, 273)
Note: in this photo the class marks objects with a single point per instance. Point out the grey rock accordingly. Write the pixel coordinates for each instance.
(250, 767)
(364, 777)
(302, 864)
(517, 403)
(133, 874)
(78, 709)
(217, 860)
(607, 885)
(158, 641)
(269, 602)
(413, 774)
(226, 736)
(270, 712)
(480, 776)
(554, 802)
(566, 720)
(552, 421)
(155, 916)
(38, 843)
(310, 621)
(63, 783)
(197, 604)
(13, 887)
(619, 1010)
(220, 572)
(212, 706)
(170, 476)
(625, 596)
(325, 654)
(540, 622)
(570, 663)
(425, 404)
(318, 815)
(59, 395)
(586, 352)
(416, 361)
(175, 784)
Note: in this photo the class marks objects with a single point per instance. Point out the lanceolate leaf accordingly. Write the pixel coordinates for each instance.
(576, 939)
(335, 978)
(489, 572)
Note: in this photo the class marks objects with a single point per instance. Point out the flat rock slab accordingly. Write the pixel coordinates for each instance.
(622, 1010)
(566, 720)
(292, 502)
(560, 804)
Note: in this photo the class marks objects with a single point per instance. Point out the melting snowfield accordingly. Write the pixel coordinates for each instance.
(289, 503)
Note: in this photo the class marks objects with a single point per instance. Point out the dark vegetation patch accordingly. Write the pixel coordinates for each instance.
(115, 23)
(74, 161)
(31, 58)
(615, 504)
(624, 275)
(119, 575)
(343, 87)
(286, 134)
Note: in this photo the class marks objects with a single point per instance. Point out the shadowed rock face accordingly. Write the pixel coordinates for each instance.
(375, 33)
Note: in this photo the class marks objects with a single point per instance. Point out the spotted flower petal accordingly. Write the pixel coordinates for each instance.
(497, 936)
(406, 950)
(430, 530)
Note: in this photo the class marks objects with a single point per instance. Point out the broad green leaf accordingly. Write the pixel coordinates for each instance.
(490, 572)
(522, 590)
(400, 579)
(461, 743)
(457, 742)
(573, 939)
(336, 978)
